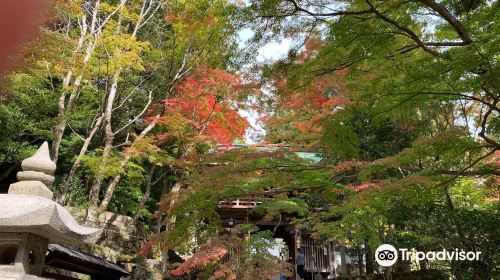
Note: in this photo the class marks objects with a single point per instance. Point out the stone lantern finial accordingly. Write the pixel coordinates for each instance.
(36, 177)
(40, 161)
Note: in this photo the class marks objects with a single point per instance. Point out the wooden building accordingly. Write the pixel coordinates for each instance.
(329, 261)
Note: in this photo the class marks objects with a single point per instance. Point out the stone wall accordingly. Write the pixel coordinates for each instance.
(120, 239)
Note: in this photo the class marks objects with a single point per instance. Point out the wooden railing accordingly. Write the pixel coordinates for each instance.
(239, 204)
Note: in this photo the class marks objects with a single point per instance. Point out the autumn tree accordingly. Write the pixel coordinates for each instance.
(421, 118)
(195, 46)
(400, 101)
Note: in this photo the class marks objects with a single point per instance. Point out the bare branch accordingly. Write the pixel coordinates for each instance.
(483, 126)
(146, 107)
(79, 136)
(151, 15)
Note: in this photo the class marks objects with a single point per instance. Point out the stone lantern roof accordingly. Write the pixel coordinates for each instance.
(42, 217)
(28, 207)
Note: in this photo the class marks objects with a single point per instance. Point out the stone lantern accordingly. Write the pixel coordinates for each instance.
(30, 220)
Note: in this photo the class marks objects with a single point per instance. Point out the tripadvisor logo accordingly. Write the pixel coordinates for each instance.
(387, 255)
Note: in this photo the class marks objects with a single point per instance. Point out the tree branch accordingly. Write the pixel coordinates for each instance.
(146, 107)
(332, 14)
(405, 29)
(454, 22)
(483, 125)
(462, 171)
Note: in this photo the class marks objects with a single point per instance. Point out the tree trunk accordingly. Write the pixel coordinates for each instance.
(112, 186)
(146, 193)
(65, 107)
(171, 219)
(369, 259)
(93, 210)
(176, 188)
(159, 219)
(388, 273)
(343, 263)
(83, 150)
(94, 207)
(60, 127)
(361, 267)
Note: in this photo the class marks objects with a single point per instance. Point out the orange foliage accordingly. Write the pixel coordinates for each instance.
(311, 102)
(206, 101)
(361, 187)
(199, 259)
(147, 247)
(225, 272)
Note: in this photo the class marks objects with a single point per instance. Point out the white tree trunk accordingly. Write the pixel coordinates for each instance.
(109, 136)
(64, 106)
(83, 150)
(148, 9)
(112, 186)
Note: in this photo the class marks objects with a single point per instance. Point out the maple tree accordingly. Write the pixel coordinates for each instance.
(106, 63)
(301, 105)
(234, 257)
(199, 260)
(421, 108)
(405, 123)
(204, 107)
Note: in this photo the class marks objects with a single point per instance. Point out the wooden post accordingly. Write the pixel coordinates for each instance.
(343, 262)
(331, 260)
(298, 244)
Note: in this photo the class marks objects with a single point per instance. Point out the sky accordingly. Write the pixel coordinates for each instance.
(269, 52)
(266, 54)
